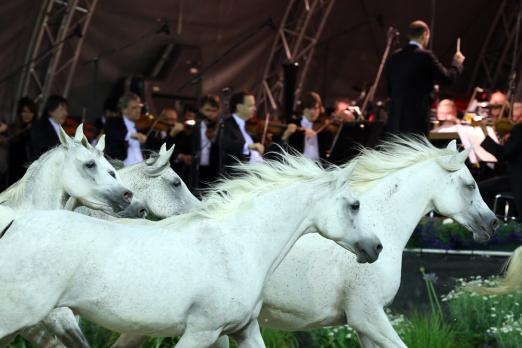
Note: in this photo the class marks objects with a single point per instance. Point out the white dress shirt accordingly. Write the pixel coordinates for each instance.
(311, 145)
(255, 157)
(56, 126)
(133, 150)
(205, 145)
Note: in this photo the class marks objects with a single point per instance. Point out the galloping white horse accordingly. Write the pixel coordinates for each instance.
(319, 284)
(401, 183)
(69, 170)
(198, 275)
(157, 188)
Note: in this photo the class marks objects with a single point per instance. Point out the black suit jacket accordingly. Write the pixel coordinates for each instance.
(115, 132)
(43, 138)
(411, 73)
(512, 153)
(233, 143)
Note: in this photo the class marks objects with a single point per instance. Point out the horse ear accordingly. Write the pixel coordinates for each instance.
(100, 146)
(78, 136)
(163, 149)
(171, 151)
(452, 145)
(85, 143)
(64, 138)
(343, 175)
(454, 162)
(463, 155)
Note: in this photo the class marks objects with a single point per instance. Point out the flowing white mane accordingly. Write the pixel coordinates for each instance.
(229, 195)
(395, 154)
(15, 194)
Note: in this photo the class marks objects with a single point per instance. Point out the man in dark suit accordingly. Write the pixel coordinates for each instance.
(237, 143)
(198, 146)
(122, 140)
(45, 131)
(411, 73)
(510, 152)
(311, 144)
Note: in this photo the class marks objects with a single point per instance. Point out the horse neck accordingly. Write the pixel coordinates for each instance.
(274, 222)
(43, 186)
(410, 191)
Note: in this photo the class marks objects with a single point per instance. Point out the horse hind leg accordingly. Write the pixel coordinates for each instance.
(62, 322)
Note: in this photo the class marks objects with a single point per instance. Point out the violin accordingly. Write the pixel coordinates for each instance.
(89, 129)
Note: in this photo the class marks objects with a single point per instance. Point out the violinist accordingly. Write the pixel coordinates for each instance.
(110, 110)
(45, 131)
(237, 142)
(164, 130)
(498, 104)
(313, 144)
(511, 152)
(20, 139)
(198, 149)
(123, 141)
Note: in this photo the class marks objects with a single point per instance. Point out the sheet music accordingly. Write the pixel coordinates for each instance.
(473, 136)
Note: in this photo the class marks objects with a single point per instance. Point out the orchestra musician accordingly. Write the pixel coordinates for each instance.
(312, 143)
(45, 131)
(237, 143)
(447, 117)
(123, 141)
(511, 152)
(20, 139)
(198, 147)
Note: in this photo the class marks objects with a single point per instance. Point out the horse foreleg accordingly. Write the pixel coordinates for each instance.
(64, 324)
(198, 339)
(40, 337)
(129, 341)
(250, 336)
(372, 325)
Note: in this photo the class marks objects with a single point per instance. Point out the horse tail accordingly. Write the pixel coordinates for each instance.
(512, 280)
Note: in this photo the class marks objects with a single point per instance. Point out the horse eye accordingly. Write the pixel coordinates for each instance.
(90, 164)
(112, 173)
(176, 183)
(471, 186)
(355, 206)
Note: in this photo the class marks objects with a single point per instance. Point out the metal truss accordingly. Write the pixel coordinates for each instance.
(294, 43)
(54, 48)
(493, 67)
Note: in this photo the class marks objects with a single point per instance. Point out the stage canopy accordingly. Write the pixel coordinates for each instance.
(346, 58)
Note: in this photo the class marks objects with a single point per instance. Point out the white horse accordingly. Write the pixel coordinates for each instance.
(319, 284)
(204, 281)
(157, 188)
(69, 170)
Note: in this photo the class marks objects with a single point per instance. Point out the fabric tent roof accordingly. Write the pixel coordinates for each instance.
(346, 58)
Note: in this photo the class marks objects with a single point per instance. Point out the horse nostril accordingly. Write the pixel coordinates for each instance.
(127, 196)
(379, 248)
(495, 224)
